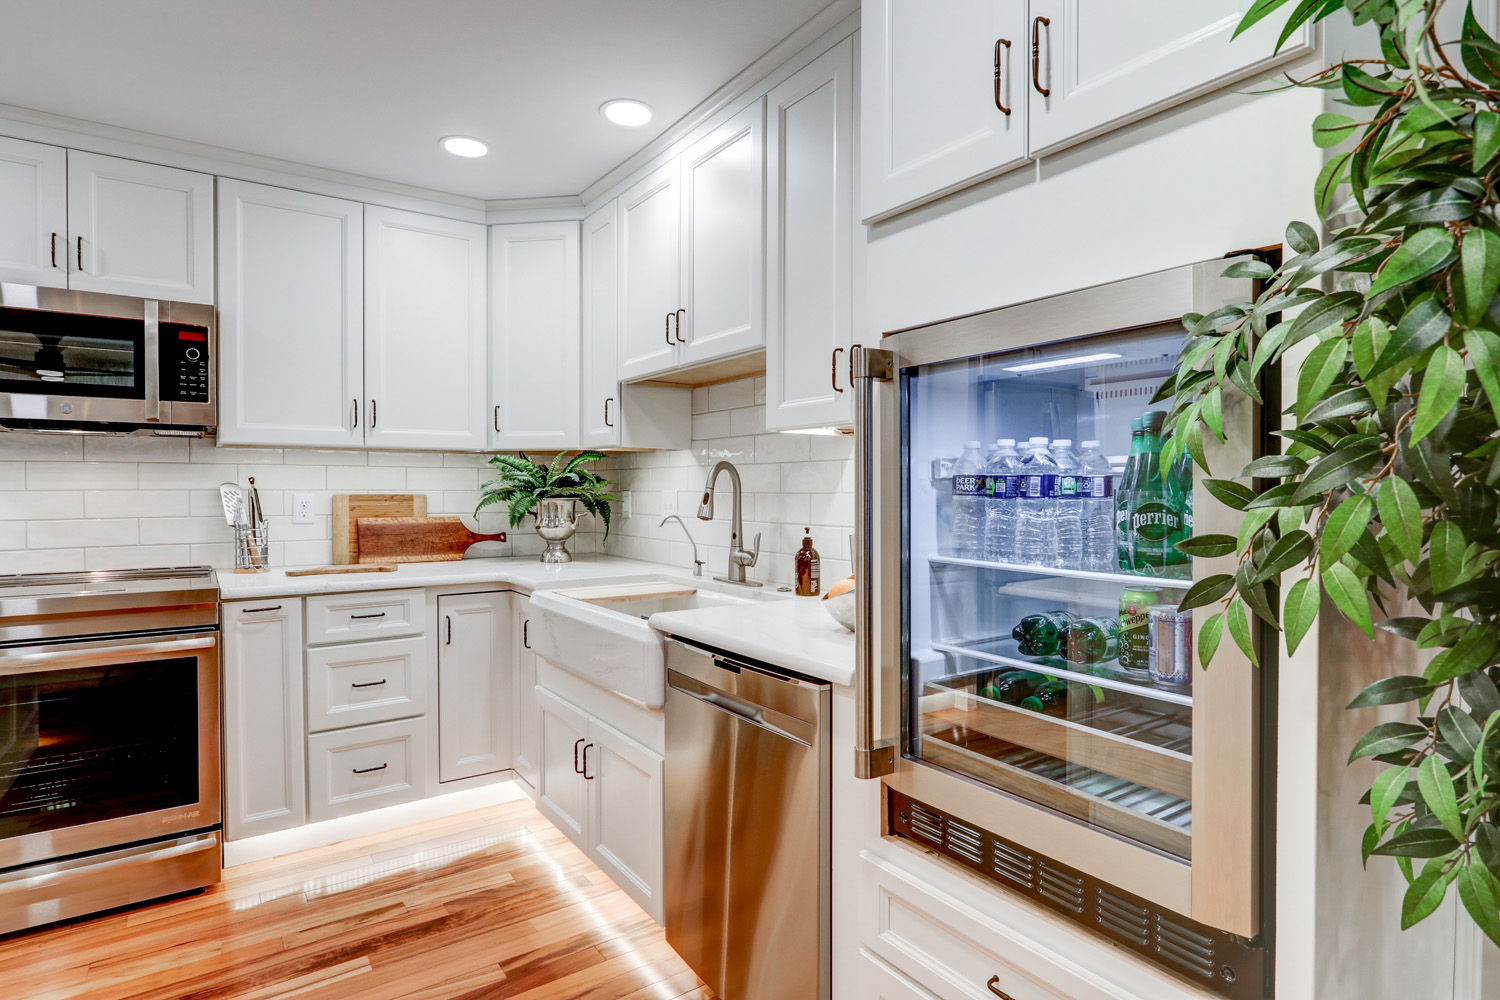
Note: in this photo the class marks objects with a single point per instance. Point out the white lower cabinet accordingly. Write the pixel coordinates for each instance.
(604, 790)
(366, 682)
(474, 684)
(881, 982)
(526, 760)
(264, 788)
(352, 770)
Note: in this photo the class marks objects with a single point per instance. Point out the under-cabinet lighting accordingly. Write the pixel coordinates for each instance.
(1036, 366)
(823, 431)
(464, 145)
(631, 114)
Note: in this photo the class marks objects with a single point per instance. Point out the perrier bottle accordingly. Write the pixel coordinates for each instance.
(1156, 521)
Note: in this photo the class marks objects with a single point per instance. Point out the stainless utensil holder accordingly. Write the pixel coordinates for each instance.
(252, 549)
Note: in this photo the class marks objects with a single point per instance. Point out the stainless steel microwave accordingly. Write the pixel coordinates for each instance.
(84, 362)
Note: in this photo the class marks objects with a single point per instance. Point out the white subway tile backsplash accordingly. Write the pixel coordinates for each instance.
(363, 479)
(17, 447)
(137, 556)
(283, 477)
(184, 530)
(700, 400)
(24, 505)
(731, 395)
(711, 425)
(751, 420)
(812, 477)
(140, 503)
(12, 475)
(41, 561)
(207, 451)
(71, 533)
(309, 456)
(135, 449)
(193, 476)
(443, 479)
(80, 476)
(783, 448)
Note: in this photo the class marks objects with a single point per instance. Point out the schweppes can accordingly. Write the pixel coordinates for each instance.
(1135, 629)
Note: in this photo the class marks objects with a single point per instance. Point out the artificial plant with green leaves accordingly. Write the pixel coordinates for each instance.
(524, 483)
(1386, 484)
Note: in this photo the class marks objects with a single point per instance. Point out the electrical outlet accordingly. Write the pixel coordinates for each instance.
(668, 505)
(302, 508)
(627, 504)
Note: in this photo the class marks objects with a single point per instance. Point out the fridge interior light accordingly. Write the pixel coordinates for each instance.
(1082, 359)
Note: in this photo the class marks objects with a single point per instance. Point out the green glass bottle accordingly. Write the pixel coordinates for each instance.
(1051, 698)
(1153, 517)
(1010, 686)
(1093, 640)
(1044, 634)
(1180, 498)
(1123, 534)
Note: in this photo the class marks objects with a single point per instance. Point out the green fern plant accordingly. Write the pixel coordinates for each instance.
(524, 483)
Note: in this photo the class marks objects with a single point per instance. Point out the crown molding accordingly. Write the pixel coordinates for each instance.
(503, 211)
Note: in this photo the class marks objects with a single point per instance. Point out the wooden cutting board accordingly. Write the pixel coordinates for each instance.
(416, 539)
(348, 508)
(347, 568)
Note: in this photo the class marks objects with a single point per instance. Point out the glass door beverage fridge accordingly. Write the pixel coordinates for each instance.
(1030, 692)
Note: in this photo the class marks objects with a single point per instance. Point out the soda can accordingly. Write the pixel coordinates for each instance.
(1171, 646)
(1135, 636)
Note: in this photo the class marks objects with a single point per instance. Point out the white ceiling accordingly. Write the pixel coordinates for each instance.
(370, 86)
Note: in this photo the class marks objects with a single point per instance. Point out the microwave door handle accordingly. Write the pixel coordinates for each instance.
(874, 753)
(152, 373)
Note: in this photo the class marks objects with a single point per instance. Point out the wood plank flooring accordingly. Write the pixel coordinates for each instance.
(487, 905)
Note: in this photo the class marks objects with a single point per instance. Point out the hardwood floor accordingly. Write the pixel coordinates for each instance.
(490, 904)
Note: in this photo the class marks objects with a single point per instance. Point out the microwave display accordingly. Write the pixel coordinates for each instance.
(184, 363)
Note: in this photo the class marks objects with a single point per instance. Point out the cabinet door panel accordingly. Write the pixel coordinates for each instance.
(625, 837)
(1108, 62)
(527, 727)
(425, 331)
(291, 317)
(33, 213)
(147, 230)
(931, 119)
(809, 243)
(264, 755)
(600, 398)
(534, 336)
(563, 795)
(650, 266)
(474, 685)
(723, 184)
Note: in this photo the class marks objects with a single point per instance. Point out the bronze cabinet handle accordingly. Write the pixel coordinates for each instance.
(999, 101)
(450, 629)
(369, 684)
(1037, 23)
(378, 614)
(668, 328)
(497, 418)
(251, 611)
(373, 414)
(607, 401)
(576, 744)
(678, 314)
(353, 413)
(996, 990)
(833, 376)
(80, 253)
(54, 249)
(852, 349)
(526, 633)
(585, 771)
(367, 770)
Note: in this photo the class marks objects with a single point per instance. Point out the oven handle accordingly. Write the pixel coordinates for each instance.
(24, 663)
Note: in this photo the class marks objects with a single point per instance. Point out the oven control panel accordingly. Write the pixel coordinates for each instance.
(184, 363)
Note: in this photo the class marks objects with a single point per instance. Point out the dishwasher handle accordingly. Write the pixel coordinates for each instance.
(745, 711)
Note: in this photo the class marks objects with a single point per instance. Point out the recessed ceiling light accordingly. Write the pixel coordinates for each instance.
(464, 145)
(631, 114)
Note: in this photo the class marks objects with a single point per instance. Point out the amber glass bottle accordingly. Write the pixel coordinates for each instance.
(808, 573)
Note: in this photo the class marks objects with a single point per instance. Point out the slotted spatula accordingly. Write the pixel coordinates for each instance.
(230, 495)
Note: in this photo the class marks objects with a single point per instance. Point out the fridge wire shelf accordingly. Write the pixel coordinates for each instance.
(1002, 650)
(1126, 579)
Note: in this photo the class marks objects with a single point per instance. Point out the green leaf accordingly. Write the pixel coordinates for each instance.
(1249, 269)
(1442, 385)
(1317, 373)
(1486, 139)
(1484, 351)
(1425, 323)
(1254, 593)
(1420, 254)
(1424, 894)
(1208, 637)
(1338, 469)
(1446, 554)
(1239, 630)
(1325, 188)
(1388, 786)
(1369, 339)
(1252, 522)
(1471, 652)
(1344, 403)
(1436, 786)
(1401, 516)
(1480, 895)
(1478, 59)
(1343, 528)
(1408, 628)
(1323, 314)
(1302, 601)
(1363, 90)
(1258, 10)
(1274, 467)
(1206, 591)
(1331, 128)
(1392, 691)
(1460, 731)
(1478, 274)
(1229, 493)
(1207, 546)
(1302, 238)
(1291, 549)
(1388, 737)
(1480, 692)
(1349, 595)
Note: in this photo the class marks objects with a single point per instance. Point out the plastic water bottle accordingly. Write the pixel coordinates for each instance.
(1067, 511)
(1000, 510)
(1036, 535)
(968, 502)
(1097, 516)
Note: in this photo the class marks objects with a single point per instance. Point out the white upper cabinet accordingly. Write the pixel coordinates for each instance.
(140, 229)
(723, 184)
(534, 373)
(1109, 62)
(33, 213)
(937, 82)
(599, 402)
(809, 241)
(650, 273)
(425, 332)
(291, 317)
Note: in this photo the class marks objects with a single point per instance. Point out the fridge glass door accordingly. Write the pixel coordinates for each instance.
(1045, 654)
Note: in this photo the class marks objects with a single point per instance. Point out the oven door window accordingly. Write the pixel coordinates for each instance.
(62, 354)
(96, 743)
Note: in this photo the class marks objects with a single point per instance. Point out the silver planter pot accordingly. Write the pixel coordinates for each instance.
(556, 523)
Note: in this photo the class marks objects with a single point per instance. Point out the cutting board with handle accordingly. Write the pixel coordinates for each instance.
(416, 539)
(348, 508)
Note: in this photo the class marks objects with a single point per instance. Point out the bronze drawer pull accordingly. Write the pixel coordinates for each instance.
(667, 326)
(54, 249)
(367, 770)
(576, 744)
(369, 684)
(999, 102)
(678, 314)
(374, 414)
(834, 375)
(1037, 24)
(378, 614)
(585, 771)
(80, 253)
(607, 401)
(251, 611)
(526, 633)
(996, 990)
(354, 410)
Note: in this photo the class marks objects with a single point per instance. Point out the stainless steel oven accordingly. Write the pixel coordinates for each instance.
(79, 361)
(109, 740)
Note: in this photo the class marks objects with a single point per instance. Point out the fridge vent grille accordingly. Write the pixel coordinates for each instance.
(1227, 965)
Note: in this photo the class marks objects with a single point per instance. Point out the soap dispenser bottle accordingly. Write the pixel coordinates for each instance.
(808, 572)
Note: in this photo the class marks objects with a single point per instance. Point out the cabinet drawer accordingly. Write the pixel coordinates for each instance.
(352, 770)
(366, 682)
(383, 614)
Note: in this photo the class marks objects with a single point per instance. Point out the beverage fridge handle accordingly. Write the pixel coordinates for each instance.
(873, 756)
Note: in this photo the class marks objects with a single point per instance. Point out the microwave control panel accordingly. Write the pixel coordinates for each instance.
(184, 363)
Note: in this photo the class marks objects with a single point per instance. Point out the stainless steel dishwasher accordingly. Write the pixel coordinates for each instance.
(748, 826)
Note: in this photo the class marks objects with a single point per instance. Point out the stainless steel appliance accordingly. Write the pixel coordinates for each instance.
(81, 361)
(748, 826)
(1130, 806)
(109, 740)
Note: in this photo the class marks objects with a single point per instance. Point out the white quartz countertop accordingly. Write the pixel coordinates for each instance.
(796, 634)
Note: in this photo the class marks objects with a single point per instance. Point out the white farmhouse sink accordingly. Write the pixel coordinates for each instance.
(600, 633)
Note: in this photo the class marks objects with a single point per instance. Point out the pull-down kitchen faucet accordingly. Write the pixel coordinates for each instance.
(739, 558)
